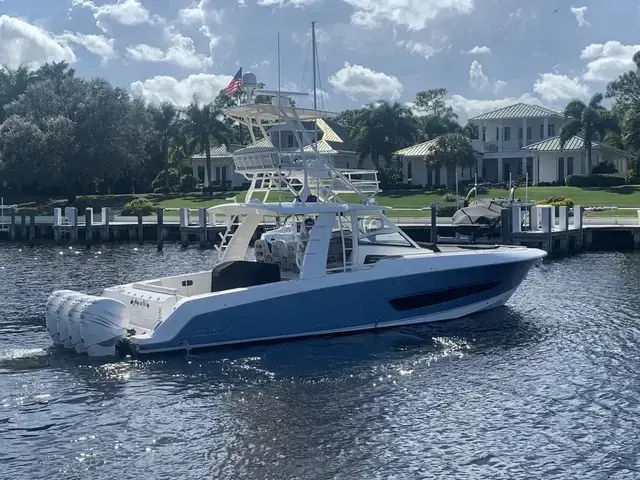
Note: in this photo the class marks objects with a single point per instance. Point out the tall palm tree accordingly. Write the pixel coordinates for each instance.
(204, 127)
(451, 150)
(165, 121)
(384, 128)
(590, 121)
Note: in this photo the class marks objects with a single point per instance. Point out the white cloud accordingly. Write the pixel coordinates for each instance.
(607, 61)
(411, 13)
(22, 42)
(97, 44)
(427, 51)
(498, 86)
(181, 51)
(356, 80)
(477, 78)
(579, 13)
(477, 50)
(180, 92)
(557, 89)
(320, 94)
(125, 12)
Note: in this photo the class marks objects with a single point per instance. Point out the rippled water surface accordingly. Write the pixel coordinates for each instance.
(546, 387)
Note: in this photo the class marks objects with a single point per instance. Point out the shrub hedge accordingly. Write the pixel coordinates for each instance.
(594, 180)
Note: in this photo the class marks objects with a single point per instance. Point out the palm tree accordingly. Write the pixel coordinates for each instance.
(165, 121)
(384, 128)
(451, 150)
(590, 121)
(203, 125)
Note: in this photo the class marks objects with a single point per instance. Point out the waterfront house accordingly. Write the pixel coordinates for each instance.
(416, 170)
(333, 141)
(515, 140)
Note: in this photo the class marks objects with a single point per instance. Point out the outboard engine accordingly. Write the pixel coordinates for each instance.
(53, 302)
(103, 323)
(86, 323)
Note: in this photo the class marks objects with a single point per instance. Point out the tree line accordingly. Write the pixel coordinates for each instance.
(65, 135)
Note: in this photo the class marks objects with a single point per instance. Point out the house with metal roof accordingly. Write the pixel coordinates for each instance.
(416, 171)
(222, 169)
(333, 141)
(554, 163)
(502, 135)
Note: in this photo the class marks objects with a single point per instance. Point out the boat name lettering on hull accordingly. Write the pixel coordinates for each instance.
(206, 332)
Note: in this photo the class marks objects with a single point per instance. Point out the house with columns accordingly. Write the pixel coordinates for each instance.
(502, 135)
(512, 141)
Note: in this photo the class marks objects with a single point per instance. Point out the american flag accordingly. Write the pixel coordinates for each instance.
(235, 84)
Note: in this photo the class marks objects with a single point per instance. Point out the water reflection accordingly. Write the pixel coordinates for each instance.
(547, 385)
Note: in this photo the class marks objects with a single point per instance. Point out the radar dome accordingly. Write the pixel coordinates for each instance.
(249, 79)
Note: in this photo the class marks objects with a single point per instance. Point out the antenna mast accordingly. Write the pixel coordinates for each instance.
(313, 50)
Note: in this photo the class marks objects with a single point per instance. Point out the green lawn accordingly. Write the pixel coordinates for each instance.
(624, 196)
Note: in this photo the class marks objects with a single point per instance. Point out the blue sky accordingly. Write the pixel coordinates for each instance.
(486, 53)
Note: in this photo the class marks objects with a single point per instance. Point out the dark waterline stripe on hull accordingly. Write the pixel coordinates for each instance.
(426, 299)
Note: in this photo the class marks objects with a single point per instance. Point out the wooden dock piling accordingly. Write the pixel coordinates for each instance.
(433, 228)
(88, 225)
(160, 228)
(32, 227)
(104, 231)
(202, 224)
(12, 227)
(23, 224)
(140, 229)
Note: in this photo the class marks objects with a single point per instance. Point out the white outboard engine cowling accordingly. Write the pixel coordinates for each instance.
(103, 322)
(75, 329)
(53, 302)
(62, 313)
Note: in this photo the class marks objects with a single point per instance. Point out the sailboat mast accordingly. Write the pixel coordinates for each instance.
(313, 49)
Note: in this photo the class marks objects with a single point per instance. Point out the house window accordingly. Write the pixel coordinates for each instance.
(552, 130)
(201, 172)
(497, 133)
(217, 179)
(224, 173)
(291, 141)
(529, 135)
(541, 132)
(484, 134)
(507, 134)
(520, 133)
(409, 172)
(569, 165)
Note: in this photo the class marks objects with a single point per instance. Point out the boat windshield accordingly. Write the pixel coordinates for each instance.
(374, 230)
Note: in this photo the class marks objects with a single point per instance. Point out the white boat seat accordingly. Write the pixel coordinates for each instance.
(278, 252)
(261, 250)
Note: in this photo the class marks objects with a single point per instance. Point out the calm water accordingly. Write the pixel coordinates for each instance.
(547, 387)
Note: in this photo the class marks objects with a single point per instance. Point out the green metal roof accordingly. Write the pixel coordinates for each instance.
(519, 110)
(216, 152)
(575, 143)
(419, 150)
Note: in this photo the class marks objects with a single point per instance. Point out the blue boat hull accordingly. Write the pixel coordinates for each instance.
(423, 297)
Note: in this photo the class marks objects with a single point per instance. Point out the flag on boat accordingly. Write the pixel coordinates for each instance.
(235, 84)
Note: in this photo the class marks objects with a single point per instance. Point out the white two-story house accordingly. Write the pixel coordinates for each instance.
(524, 138)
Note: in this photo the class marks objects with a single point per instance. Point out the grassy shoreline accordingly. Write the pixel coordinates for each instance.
(412, 200)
